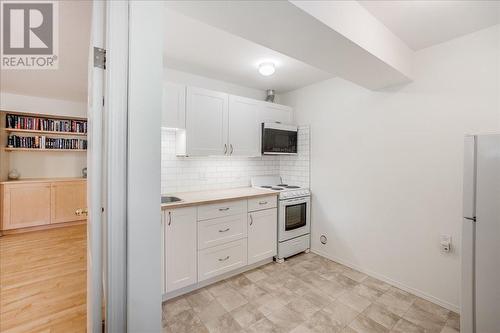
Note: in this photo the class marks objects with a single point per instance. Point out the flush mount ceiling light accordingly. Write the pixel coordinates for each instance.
(267, 68)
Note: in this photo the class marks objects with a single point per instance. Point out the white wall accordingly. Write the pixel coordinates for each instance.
(44, 164)
(386, 167)
(144, 311)
(176, 76)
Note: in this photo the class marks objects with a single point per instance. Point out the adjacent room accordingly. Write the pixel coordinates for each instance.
(43, 162)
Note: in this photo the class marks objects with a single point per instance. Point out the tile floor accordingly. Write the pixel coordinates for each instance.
(307, 293)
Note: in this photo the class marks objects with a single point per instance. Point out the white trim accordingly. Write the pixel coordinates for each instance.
(419, 293)
(115, 155)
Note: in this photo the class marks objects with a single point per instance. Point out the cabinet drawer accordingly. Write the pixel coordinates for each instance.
(221, 230)
(262, 203)
(221, 259)
(229, 208)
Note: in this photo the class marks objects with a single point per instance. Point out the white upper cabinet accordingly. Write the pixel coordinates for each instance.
(174, 105)
(206, 122)
(271, 112)
(244, 126)
(215, 123)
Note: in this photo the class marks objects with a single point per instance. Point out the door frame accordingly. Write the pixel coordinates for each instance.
(115, 170)
(107, 161)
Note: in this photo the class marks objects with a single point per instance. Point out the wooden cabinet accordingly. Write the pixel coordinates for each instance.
(66, 199)
(180, 248)
(36, 203)
(206, 122)
(25, 205)
(244, 126)
(174, 105)
(262, 235)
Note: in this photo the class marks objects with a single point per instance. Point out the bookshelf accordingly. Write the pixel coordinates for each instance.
(39, 137)
(25, 132)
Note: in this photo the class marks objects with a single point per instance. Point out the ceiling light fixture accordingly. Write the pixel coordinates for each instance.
(267, 68)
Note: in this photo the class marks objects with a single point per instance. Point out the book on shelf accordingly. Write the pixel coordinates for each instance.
(44, 142)
(14, 121)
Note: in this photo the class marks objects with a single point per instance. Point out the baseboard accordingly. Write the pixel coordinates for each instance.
(419, 293)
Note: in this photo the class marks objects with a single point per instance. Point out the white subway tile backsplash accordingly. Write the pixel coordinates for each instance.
(181, 174)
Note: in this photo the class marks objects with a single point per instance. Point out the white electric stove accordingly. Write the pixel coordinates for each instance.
(294, 215)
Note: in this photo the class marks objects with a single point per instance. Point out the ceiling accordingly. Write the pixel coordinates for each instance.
(195, 47)
(423, 23)
(69, 82)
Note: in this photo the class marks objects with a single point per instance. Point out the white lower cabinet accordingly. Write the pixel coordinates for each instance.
(206, 241)
(221, 230)
(221, 259)
(262, 235)
(180, 248)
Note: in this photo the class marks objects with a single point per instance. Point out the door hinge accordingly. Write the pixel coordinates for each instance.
(99, 57)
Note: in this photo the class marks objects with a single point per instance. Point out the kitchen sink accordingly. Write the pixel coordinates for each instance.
(166, 200)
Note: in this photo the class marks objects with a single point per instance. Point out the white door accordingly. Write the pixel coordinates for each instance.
(174, 105)
(244, 127)
(95, 166)
(275, 113)
(206, 122)
(262, 237)
(180, 248)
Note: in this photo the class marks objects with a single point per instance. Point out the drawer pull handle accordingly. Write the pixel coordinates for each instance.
(262, 202)
(224, 230)
(251, 219)
(224, 259)
(223, 209)
(169, 218)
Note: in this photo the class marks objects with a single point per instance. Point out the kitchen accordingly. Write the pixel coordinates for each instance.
(252, 155)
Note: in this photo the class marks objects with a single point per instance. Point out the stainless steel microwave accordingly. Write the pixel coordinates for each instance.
(279, 139)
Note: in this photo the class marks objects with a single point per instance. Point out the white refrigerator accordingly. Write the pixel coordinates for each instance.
(480, 296)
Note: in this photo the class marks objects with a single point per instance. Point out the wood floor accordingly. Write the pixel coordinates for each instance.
(43, 281)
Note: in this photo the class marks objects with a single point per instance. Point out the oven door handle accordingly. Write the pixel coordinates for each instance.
(296, 201)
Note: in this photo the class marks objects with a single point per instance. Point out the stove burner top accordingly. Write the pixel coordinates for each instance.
(266, 186)
(285, 185)
(277, 188)
(292, 186)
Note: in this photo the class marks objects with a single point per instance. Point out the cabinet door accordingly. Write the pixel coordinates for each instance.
(244, 126)
(206, 122)
(25, 205)
(174, 105)
(262, 235)
(67, 198)
(275, 113)
(180, 248)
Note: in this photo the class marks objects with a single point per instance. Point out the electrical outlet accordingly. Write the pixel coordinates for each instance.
(445, 243)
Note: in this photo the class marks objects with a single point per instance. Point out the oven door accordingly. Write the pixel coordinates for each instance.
(294, 218)
(279, 139)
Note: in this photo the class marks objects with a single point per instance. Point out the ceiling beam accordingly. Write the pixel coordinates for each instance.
(307, 33)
